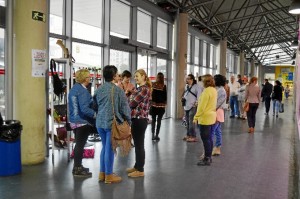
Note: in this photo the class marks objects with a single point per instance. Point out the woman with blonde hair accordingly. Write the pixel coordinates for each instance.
(82, 118)
(205, 117)
(253, 98)
(139, 103)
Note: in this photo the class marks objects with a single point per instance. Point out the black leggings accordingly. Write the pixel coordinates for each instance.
(81, 135)
(157, 112)
(138, 128)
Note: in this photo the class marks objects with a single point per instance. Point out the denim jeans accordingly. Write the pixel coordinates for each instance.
(189, 117)
(206, 137)
(217, 132)
(276, 104)
(107, 154)
(234, 106)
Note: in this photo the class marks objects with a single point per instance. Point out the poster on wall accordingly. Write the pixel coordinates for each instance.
(38, 63)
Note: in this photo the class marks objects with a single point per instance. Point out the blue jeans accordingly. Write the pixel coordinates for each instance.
(107, 154)
(276, 104)
(189, 117)
(234, 106)
(216, 128)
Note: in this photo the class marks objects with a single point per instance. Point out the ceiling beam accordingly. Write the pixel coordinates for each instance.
(187, 8)
(249, 16)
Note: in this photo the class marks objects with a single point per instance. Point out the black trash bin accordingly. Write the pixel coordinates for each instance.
(10, 147)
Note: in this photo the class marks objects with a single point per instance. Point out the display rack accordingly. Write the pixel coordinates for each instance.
(64, 70)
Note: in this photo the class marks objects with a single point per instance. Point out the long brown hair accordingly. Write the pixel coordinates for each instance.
(143, 73)
(160, 79)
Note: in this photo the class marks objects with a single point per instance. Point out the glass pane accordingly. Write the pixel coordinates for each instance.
(87, 20)
(197, 42)
(204, 54)
(189, 49)
(203, 70)
(142, 62)
(143, 27)
(56, 16)
(196, 72)
(162, 67)
(211, 56)
(120, 19)
(188, 69)
(162, 34)
(55, 50)
(120, 59)
(2, 2)
(2, 73)
(86, 55)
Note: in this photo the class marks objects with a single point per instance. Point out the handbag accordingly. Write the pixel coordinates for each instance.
(121, 132)
(246, 107)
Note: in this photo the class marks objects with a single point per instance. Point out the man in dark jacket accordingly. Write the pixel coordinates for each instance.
(266, 94)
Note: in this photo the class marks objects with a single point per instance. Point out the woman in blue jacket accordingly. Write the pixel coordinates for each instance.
(82, 118)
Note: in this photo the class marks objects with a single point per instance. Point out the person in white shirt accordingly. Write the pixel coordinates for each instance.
(234, 106)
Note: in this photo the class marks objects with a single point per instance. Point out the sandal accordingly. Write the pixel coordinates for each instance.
(192, 139)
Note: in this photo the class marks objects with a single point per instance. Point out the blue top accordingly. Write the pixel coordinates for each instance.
(81, 106)
(105, 112)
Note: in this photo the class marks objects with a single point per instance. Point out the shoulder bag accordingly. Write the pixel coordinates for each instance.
(121, 133)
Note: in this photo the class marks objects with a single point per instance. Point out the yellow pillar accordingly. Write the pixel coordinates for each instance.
(29, 91)
(181, 63)
(223, 56)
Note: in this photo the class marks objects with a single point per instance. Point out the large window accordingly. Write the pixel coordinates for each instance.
(211, 56)
(119, 19)
(197, 43)
(189, 49)
(86, 55)
(143, 27)
(56, 16)
(162, 34)
(55, 50)
(2, 2)
(120, 59)
(87, 20)
(162, 66)
(204, 54)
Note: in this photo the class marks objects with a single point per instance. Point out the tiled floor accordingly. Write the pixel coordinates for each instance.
(251, 166)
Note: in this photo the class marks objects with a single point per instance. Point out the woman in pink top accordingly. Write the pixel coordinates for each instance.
(125, 84)
(253, 97)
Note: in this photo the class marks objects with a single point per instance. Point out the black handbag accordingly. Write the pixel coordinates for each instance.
(58, 85)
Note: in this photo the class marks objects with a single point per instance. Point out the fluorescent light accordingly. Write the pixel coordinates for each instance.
(295, 7)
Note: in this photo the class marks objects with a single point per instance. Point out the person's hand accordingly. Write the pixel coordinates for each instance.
(195, 121)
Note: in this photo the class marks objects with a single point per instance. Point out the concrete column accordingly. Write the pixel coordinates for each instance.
(252, 68)
(181, 56)
(242, 64)
(29, 92)
(260, 74)
(223, 56)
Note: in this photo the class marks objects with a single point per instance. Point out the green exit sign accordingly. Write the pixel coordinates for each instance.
(39, 16)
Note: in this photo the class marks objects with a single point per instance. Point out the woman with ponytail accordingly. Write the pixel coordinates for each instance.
(139, 104)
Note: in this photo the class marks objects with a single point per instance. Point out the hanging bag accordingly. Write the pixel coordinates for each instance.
(121, 133)
(58, 85)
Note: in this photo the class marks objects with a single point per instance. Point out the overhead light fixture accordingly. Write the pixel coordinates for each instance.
(294, 44)
(295, 7)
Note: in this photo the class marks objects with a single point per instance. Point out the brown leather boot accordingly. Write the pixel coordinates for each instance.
(217, 151)
(101, 177)
(112, 178)
(213, 153)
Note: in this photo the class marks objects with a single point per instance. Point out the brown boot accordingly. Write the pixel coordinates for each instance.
(218, 151)
(213, 153)
(252, 130)
(101, 177)
(112, 178)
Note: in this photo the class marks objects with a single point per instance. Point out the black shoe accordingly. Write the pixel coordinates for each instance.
(80, 172)
(82, 167)
(232, 116)
(204, 162)
(157, 138)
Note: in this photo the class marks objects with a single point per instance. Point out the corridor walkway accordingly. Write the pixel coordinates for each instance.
(255, 166)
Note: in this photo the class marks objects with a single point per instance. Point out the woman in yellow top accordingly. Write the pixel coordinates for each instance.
(206, 116)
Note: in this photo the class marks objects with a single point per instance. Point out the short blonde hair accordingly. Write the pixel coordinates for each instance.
(208, 80)
(81, 75)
